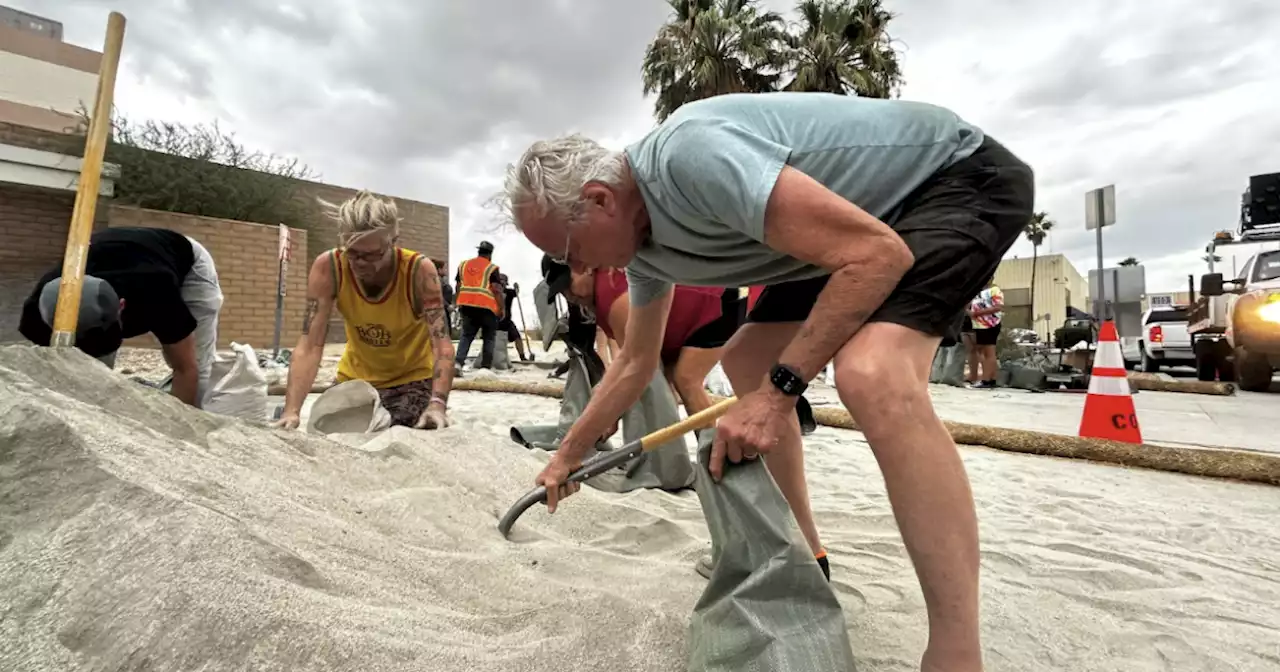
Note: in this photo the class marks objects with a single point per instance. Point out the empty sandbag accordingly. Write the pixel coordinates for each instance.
(767, 605)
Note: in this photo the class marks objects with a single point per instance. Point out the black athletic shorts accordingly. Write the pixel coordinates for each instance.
(513, 333)
(987, 336)
(733, 310)
(958, 225)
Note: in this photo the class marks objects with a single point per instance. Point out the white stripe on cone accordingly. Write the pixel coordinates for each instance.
(1111, 386)
(1108, 356)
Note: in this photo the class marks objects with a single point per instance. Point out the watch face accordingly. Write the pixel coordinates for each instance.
(786, 381)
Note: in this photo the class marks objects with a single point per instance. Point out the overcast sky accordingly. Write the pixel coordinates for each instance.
(1176, 102)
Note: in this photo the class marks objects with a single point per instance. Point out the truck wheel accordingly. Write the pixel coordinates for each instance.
(1253, 372)
(1149, 365)
(1226, 362)
(1207, 362)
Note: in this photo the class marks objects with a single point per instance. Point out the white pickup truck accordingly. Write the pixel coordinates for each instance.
(1164, 340)
(1237, 324)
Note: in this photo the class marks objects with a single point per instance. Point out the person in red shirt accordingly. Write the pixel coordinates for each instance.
(701, 321)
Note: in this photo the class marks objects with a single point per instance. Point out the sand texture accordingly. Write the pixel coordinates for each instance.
(137, 534)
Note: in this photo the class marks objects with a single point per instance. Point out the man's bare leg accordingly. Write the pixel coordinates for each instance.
(747, 359)
(883, 375)
(689, 375)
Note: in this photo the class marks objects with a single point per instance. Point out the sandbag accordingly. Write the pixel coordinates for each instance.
(573, 400)
(1024, 377)
(767, 605)
(948, 366)
(666, 468)
(351, 407)
(238, 386)
(548, 315)
(501, 359)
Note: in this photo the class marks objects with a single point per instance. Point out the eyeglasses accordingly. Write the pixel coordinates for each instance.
(369, 257)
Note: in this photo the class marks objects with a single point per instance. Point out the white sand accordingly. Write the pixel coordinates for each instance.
(152, 532)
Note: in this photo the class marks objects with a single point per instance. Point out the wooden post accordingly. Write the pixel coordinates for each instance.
(82, 216)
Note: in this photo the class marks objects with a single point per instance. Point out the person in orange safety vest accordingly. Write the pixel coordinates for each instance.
(478, 304)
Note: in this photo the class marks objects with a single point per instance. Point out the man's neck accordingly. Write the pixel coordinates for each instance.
(375, 285)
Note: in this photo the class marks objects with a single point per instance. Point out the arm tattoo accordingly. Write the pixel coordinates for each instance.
(309, 314)
(432, 312)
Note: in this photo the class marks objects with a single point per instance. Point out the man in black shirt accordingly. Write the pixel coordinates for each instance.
(138, 281)
(510, 294)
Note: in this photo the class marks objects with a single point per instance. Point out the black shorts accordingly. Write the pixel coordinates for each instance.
(714, 334)
(987, 336)
(958, 225)
(513, 333)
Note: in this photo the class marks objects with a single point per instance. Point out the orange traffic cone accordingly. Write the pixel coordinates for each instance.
(1108, 410)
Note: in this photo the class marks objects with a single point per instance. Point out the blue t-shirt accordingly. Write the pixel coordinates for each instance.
(707, 172)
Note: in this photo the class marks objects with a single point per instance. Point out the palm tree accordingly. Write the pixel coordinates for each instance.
(843, 46)
(713, 47)
(1036, 230)
(1129, 261)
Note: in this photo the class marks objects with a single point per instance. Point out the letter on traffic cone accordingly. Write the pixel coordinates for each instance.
(1108, 409)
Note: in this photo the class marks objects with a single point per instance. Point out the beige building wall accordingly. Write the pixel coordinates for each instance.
(1058, 285)
(44, 82)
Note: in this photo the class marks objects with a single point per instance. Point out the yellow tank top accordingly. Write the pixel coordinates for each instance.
(387, 345)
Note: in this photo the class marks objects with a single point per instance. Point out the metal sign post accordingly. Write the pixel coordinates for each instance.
(1100, 211)
(282, 255)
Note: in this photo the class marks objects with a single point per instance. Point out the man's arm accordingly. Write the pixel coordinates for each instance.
(602, 347)
(500, 298)
(181, 357)
(625, 380)
(997, 305)
(867, 260)
(733, 175)
(431, 311)
(304, 363)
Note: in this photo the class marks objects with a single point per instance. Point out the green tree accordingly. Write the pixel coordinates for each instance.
(713, 47)
(1036, 230)
(843, 46)
(203, 170)
(1129, 261)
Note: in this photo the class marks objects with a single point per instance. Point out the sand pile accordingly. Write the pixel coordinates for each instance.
(138, 534)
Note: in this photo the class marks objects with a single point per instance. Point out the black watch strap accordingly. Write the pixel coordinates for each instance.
(787, 380)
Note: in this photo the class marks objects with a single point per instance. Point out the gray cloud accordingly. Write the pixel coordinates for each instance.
(430, 99)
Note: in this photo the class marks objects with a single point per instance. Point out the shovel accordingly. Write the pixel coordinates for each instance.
(605, 461)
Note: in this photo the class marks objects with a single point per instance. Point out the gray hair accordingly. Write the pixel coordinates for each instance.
(551, 174)
(361, 214)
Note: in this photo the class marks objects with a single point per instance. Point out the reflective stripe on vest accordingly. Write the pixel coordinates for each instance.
(474, 289)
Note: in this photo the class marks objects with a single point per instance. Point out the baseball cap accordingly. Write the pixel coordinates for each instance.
(557, 277)
(98, 332)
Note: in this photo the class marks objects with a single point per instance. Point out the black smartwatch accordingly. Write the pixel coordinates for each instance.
(787, 380)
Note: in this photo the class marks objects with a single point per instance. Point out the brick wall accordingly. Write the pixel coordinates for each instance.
(425, 227)
(33, 235)
(245, 255)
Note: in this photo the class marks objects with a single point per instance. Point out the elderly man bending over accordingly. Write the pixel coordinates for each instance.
(871, 222)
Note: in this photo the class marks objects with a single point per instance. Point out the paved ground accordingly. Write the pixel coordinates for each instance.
(1244, 421)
